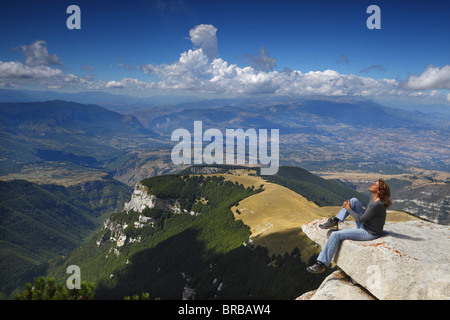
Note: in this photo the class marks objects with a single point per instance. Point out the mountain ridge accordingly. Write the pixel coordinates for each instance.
(59, 131)
(213, 221)
(127, 103)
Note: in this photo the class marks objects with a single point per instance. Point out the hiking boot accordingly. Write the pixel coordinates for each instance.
(332, 224)
(318, 267)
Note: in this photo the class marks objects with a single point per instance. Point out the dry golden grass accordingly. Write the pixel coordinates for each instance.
(275, 216)
(399, 216)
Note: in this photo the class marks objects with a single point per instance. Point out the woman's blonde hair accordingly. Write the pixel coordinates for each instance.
(384, 193)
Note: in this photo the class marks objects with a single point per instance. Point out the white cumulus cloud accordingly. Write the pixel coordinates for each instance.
(17, 70)
(431, 78)
(204, 36)
(36, 69)
(13, 73)
(196, 71)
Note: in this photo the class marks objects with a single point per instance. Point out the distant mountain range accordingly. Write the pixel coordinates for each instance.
(126, 103)
(65, 131)
(315, 134)
(318, 134)
(298, 117)
(89, 97)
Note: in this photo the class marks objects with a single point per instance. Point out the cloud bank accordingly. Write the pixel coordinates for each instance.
(194, 72)
(200, 70)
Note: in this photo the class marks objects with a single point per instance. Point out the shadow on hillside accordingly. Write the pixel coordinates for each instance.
(287, 241)
(184, 261)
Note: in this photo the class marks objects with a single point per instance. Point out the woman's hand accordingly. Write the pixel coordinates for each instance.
(346, 205)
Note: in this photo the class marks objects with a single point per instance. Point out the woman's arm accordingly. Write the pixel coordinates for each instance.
(371, 212)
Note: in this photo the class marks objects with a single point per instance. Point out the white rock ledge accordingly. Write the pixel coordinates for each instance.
(411, 261)
(337, 286)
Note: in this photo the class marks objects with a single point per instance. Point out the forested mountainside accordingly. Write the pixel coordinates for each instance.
(197, 245)
(39, 222)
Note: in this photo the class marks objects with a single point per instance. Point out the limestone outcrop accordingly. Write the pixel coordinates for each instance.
(411, 261)
(141, 199)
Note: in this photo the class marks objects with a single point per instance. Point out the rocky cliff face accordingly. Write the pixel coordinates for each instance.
(141, 199)
(431, 202)
(411, 261)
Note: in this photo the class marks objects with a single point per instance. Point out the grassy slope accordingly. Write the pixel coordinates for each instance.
(275, 216)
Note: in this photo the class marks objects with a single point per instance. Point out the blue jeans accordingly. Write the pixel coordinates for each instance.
(358, 234)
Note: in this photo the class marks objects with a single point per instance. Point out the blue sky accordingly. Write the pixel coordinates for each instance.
(258, 47)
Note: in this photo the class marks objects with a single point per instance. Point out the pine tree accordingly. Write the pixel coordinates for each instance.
(45, 289)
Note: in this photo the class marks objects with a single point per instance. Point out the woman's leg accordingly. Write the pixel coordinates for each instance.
(332, 223)
(355, 205)
(336, 237)
(328, 251)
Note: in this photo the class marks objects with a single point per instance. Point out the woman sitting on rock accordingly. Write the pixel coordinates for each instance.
(370, 223)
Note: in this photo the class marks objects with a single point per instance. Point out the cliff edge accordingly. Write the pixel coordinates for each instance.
(141, 199)
(410, 261)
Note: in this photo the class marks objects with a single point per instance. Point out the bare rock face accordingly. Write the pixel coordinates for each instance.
(337, 286)
(411, 261)
(141, 199)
